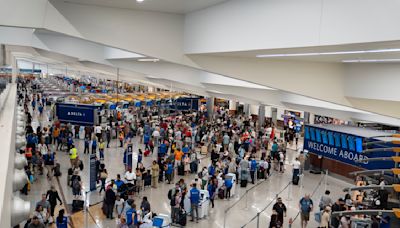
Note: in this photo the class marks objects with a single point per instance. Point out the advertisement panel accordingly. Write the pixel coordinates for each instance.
(77, 114)
(346, 148)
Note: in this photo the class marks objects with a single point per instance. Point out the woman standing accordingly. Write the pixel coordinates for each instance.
(52, 196)
(325, 217)
(103, 177)
(155, 172)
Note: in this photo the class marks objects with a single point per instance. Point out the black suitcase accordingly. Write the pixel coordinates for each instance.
(77, 205)
(147, 181)
(260, 174)
(221, 193)
(182, 218)
(243, 183)
(181, 170)
(295, 180)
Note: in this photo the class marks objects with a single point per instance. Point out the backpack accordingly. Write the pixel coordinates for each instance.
(76, 185)
(200, 174)
(172, 202)
(170, 194)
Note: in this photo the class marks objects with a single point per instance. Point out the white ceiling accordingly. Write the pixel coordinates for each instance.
(319, 49)
(165, 6)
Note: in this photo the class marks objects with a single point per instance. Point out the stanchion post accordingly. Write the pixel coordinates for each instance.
(225, 212)
(86, 211)
(247, 195)
(289, 192)
(326, 179)
(258, 219)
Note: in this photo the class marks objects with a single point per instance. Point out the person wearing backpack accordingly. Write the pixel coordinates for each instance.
(103, 177)
(212, 188)
(228, 184)
(76, 184)
(169, 171)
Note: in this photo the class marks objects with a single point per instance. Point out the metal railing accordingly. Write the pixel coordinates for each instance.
(268, 205)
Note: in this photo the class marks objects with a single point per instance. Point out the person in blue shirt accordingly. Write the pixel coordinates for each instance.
(194, 202)
(146, 140)
(163, 150)
(94, 144)
(212, 188)
(70, 141)
(129, 213)
(118, 182)
(211, 170)
(140, 157)
(185, 149)
(228, 184)
(253, 169)
(61, 220)
(169, 172)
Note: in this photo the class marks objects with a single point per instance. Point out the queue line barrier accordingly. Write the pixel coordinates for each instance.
(269, 204)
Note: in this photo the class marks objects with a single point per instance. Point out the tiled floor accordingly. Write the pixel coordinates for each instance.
(247, 205)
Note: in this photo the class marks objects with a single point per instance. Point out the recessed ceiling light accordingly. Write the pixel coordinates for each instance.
(139, 1)
(329, 53)
(148, 60)
(370, 60)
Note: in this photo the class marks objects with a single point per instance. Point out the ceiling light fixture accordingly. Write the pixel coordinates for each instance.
(148, 60)
(370, 60)
(329, 53)
(139, 1)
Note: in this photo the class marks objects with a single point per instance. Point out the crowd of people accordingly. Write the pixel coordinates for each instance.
(235, 144)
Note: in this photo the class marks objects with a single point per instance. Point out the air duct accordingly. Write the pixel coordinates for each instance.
(19, 180)
(20, 161)
(20, 210)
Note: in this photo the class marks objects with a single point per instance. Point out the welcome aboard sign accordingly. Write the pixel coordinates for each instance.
(343, 147)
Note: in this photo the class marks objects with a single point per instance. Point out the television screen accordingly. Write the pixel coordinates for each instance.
(312, 134)
(331, 139)
(344, 141)
(337, 140)
(350, 140)
(359, 144)
(306, 133)
(318, 135)
(324, 137)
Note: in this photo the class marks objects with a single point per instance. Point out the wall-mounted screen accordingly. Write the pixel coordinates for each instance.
(344, 141)
(306, 133)
(324, 137)
(318, 135)
(351, 143)
(331, 139)
(337, 140)
(312, 134)
(359, 144)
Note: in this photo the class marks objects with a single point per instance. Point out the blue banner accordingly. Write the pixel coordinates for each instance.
(186, 104)
(92, 172)
(346, 148)
(76, 114)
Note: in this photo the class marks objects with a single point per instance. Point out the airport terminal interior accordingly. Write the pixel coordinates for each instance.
(199, 113)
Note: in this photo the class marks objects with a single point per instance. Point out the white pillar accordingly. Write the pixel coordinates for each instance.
(14, 71)
(210, 107)
(246, 110)
(261, 115)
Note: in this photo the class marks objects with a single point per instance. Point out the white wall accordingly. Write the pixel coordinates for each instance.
(254, 109)
(373, 81)
(269, 24)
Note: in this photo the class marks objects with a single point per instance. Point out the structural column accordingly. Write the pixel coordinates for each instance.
(232, 107)
(14, 71)
(246, 110)
(210, 108)
(261, 115)
(274, 115)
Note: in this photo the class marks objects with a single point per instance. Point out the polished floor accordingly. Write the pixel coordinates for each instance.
(245, 205)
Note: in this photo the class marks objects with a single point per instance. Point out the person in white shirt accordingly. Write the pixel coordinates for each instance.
(296, 167)
(97, 130)
(130, 176)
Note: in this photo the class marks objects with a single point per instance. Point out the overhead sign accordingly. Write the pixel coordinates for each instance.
(185, 104)
(346, 148)
(77, 114)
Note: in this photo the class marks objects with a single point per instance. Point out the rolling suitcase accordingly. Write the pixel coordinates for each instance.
(260, 174)
(243, 183)
(295, 180)
(181, 170)
(182, 217)
(221, 193)
(77, 205)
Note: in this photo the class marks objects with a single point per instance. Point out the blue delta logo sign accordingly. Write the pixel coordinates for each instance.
(336, 153)
(80, 114)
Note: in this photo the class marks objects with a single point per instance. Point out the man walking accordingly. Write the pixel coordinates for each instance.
(306, 206)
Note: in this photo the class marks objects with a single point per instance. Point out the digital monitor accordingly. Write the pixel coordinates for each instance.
(359, 144)
(306, 133)
(337, 139)
(312, 134)
(351, 143)
(324, 137)
(344, 141)
(318, 135)
(331, 139)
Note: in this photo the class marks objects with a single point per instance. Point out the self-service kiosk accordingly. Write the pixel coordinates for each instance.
(232, 177)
